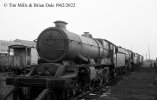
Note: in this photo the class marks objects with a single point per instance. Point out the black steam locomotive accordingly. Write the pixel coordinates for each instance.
(71, 64)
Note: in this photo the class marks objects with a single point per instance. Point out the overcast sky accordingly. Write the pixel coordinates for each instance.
(131, 24)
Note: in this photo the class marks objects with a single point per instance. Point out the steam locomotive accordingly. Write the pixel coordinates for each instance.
(71, 64)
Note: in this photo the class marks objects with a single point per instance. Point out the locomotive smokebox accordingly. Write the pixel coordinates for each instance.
(52, 42)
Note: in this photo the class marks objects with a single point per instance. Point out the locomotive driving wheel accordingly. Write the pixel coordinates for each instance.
(107, 75)
(46, 94)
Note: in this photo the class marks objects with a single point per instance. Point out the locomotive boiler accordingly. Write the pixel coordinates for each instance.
(56, 44)
(69, 65)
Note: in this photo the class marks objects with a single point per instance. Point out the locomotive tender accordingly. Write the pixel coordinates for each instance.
(70, 64)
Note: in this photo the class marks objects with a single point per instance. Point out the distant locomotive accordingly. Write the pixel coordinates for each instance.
(71, 64)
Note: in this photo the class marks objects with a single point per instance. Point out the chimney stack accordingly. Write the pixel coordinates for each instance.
(60, 24)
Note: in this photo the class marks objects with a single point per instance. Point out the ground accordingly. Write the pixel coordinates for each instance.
(4, 89)
(139, 85)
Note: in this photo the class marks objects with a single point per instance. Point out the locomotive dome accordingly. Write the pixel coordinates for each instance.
(51, 43)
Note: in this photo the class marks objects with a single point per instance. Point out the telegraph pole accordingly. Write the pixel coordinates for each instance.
(146, 56)
(149, 57)
(149, 51)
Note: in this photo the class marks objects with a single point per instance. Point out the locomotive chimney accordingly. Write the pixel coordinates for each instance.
(60, 24)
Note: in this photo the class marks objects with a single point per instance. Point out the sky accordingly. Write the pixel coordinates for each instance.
(131, 24)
